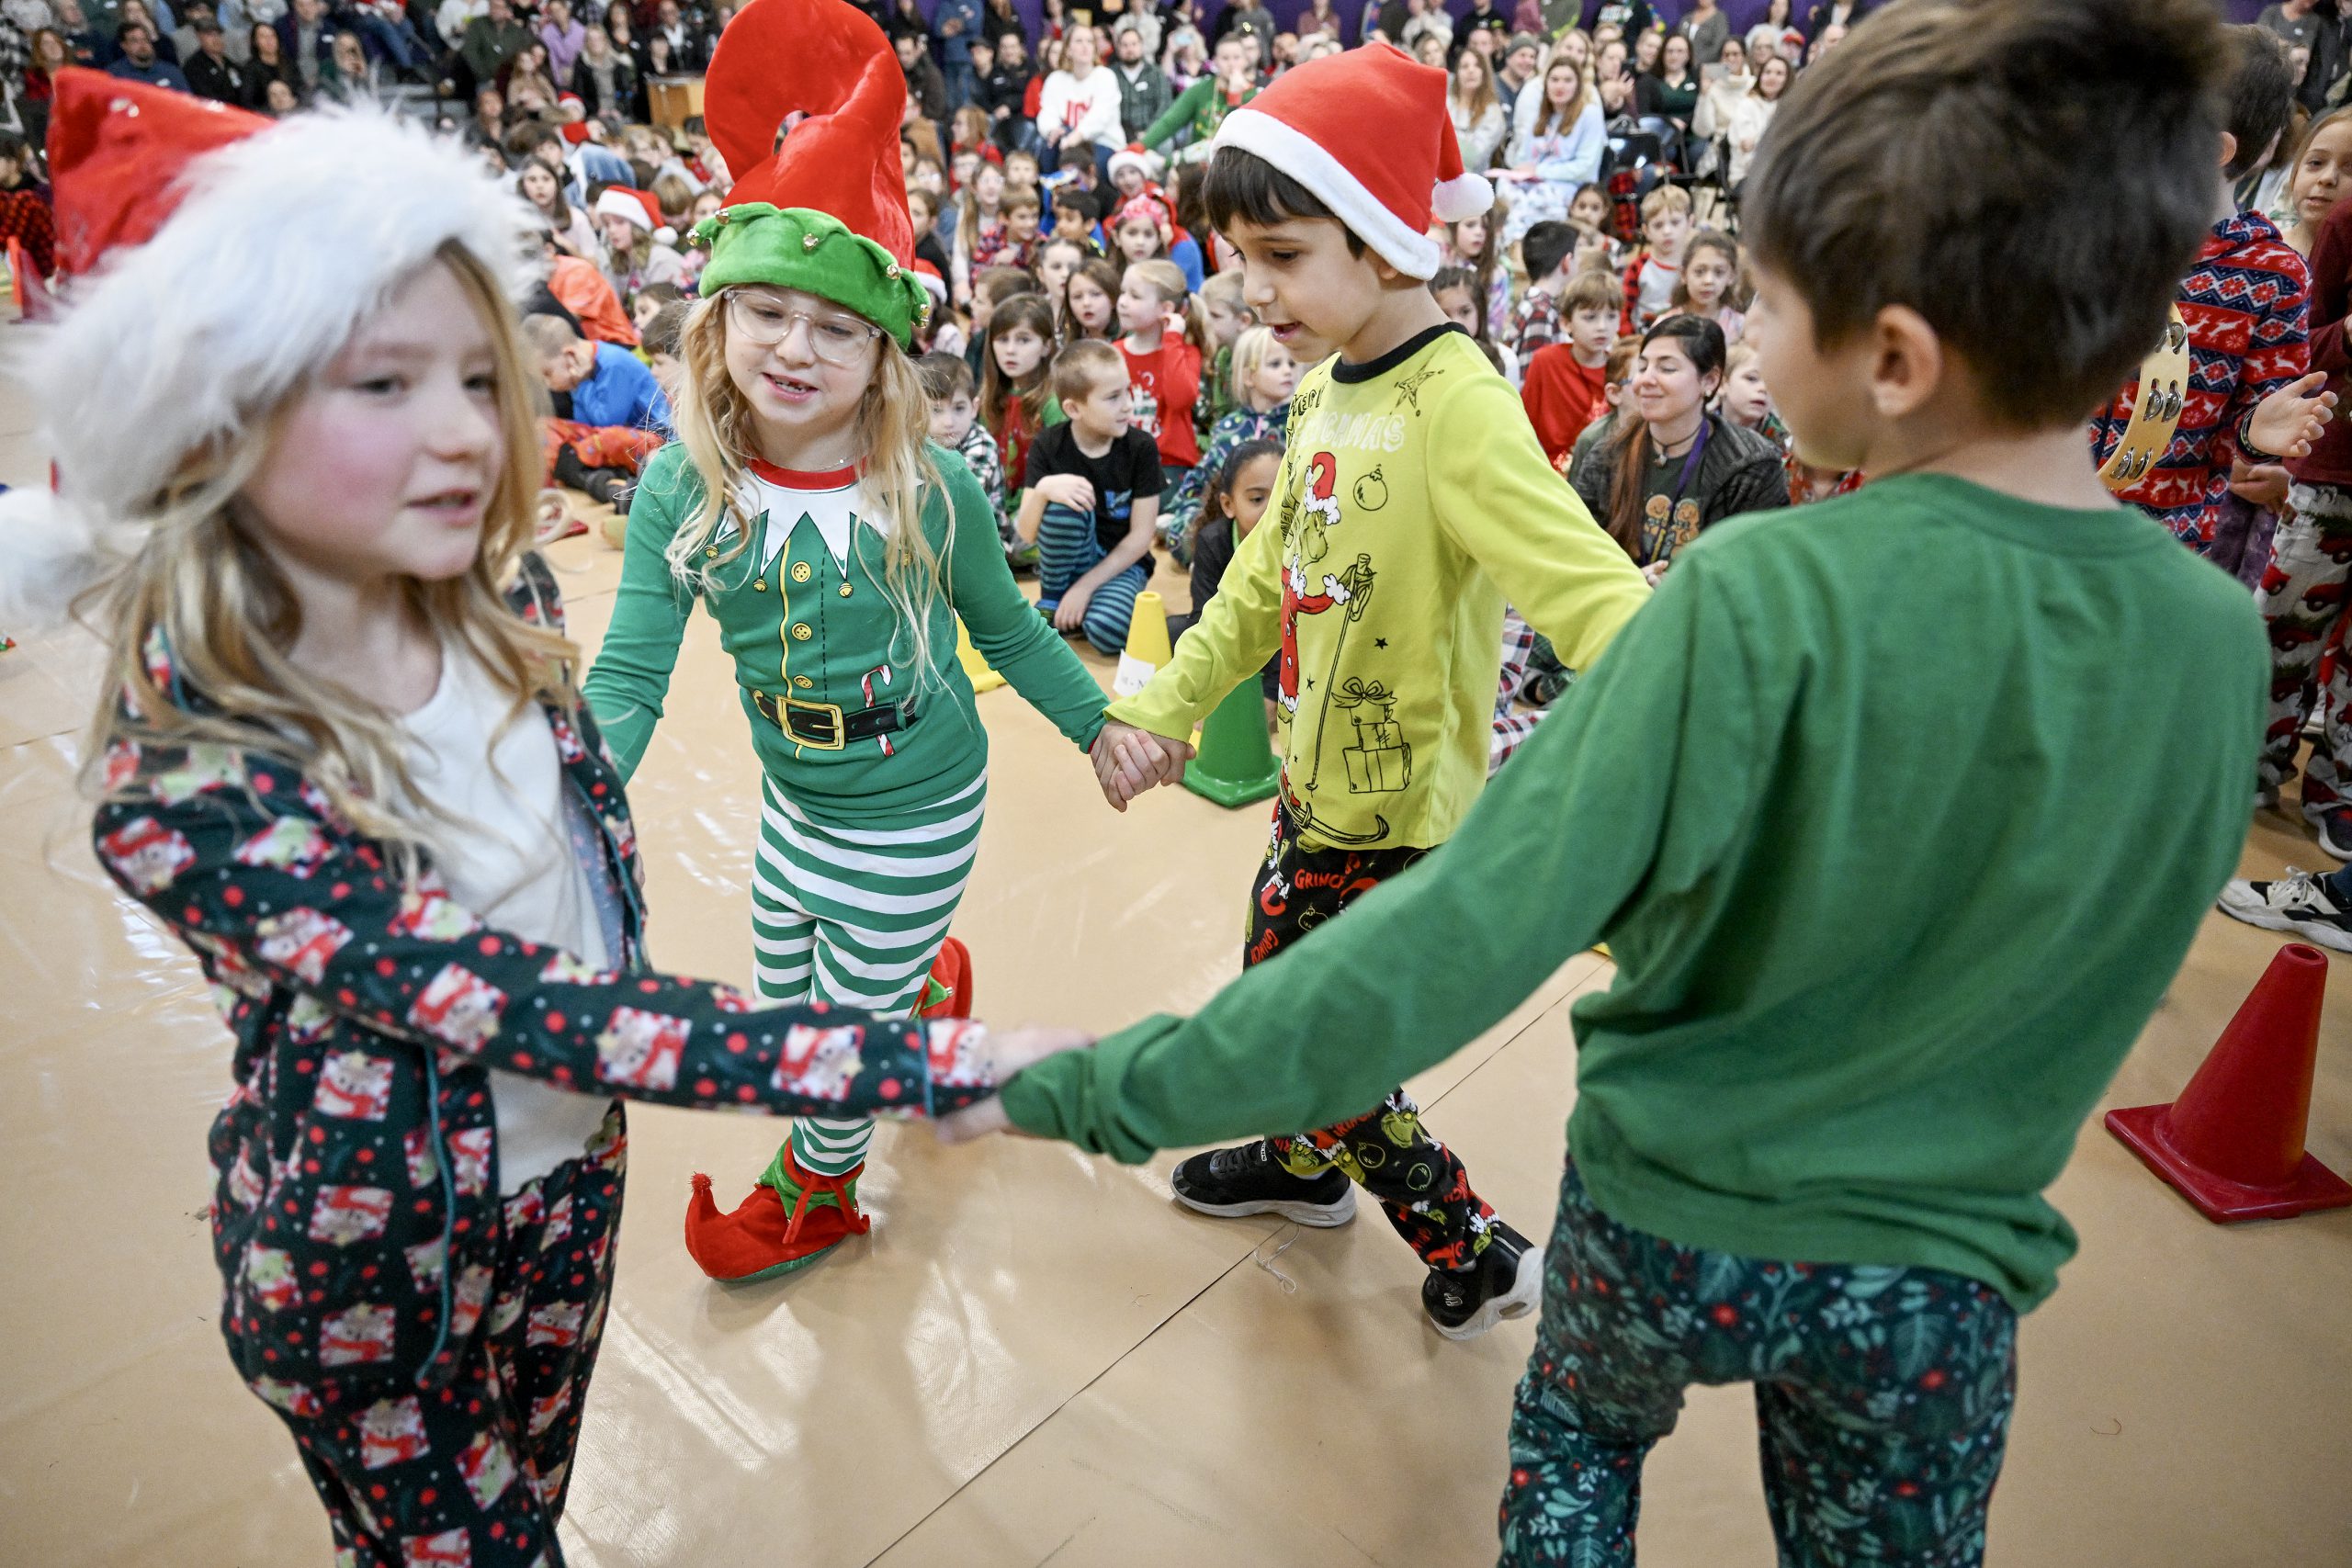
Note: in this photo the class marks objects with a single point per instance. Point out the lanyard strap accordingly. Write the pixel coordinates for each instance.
(1690, 463)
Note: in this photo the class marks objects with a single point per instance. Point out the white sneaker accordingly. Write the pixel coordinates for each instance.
(2297, 902)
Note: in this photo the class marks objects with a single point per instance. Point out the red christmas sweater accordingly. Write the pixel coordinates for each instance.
(1167, 383)
(2245, 301)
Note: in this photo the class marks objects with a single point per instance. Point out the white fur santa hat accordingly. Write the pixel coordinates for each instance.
(1368, 132)
(211, 260)
(641, 207)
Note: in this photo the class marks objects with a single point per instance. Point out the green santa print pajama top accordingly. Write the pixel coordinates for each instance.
(875, 770)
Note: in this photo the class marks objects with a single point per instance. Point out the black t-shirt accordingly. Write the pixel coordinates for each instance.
(1129, 471)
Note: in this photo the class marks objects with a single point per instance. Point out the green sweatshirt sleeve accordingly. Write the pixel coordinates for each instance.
(1636, 788)
(1506, 508)
(1232, 640)
(1016, 641)
(631, 675)
(1180, 114)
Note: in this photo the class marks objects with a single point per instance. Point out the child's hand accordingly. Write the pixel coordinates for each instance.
(2289, 421)
(1129, 760)
(2264, 484)
(1071, 613)
(1008, 1054)
(1655, 570)
(1067, 490)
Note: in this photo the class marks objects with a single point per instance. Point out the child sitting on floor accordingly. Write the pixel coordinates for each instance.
(955, 424)
(1565, 386)
(1264, 374)
(607, 384)
(1241, 485)
(1093, 496)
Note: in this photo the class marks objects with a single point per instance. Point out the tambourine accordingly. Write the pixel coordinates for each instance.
(2155, 413)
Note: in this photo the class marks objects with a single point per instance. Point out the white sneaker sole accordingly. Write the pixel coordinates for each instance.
(1319, 1216)
(2254, 913)
(1525, 1294)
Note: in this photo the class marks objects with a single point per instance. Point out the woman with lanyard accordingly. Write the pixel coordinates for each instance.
(1671, 467)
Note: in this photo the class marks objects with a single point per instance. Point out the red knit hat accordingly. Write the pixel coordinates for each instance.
(827, 60)
(1315, 125)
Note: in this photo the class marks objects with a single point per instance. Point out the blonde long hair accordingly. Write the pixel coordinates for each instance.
(714, 422)
(202, 582)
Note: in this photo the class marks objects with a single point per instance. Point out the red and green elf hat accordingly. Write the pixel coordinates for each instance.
(826, 211)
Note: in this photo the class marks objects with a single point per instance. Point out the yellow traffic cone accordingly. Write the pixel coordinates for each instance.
(983, 678)
(1147, 652)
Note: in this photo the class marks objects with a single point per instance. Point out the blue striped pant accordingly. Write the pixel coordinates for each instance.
(1066, 550)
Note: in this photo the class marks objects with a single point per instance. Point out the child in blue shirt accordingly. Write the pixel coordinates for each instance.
(609, 386)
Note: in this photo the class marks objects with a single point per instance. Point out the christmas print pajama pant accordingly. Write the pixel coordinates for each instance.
(1420, 1184)
(2302, 603)
(1882, 1396)
(473, 1475)
(853, 911)
(1068, 548)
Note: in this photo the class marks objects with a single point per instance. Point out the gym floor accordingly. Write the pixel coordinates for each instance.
(1035, 1357)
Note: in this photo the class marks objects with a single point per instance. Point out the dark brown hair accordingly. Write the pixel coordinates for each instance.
(1241, 186)
(2032, 179)
(2262, 97)
(997, 394)
(1703, 344)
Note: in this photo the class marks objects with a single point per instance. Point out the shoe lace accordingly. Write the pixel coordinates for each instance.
(1240, 1160)
(2299, 887)
(813, 1182)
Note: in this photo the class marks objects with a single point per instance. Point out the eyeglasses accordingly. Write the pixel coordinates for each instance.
(763, 321)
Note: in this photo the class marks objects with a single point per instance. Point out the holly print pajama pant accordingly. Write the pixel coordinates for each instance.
(2303, 604)
(1883, 1396)
(1420, 1184)
(853, 911)
(473, 1475)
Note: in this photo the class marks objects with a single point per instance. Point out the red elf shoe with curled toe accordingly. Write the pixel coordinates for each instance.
(774, 1232)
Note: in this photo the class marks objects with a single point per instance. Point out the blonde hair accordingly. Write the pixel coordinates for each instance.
(1225, 289)
(1249, 357)
(714, 424)
(203, 584)
(1666, 199)
(1167, 280)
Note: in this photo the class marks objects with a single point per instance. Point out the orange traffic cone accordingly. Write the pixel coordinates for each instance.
(2233, 1143)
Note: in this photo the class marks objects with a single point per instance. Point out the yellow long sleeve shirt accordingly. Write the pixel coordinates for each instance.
(1412, 499)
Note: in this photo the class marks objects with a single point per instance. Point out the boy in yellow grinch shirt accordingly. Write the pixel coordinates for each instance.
(1413, 497)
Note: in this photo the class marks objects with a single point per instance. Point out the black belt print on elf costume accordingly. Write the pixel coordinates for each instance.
(1380, 762)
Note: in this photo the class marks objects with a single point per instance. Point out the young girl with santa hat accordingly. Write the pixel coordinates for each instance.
(806, 508)
(352, 774)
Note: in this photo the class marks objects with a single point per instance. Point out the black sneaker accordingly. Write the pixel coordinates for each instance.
(1231, 1183)
(2334, 832)
(1506, 1281)
(2297, 902)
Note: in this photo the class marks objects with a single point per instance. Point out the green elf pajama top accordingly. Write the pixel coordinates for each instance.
(875, 768)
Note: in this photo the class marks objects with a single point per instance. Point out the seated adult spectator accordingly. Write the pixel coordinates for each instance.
(266, 61)
(492, 39)
(138, 61)
(209, 71)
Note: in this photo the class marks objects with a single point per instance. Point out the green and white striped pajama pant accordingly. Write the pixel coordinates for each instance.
(852, 910)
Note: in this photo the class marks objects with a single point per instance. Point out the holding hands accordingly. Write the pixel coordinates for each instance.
(1010, 1051)
(1129, 760)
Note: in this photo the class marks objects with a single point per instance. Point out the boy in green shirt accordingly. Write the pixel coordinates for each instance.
(1842, 800)
(1412, 497)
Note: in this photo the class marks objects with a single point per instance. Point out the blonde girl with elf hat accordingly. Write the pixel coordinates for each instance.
(807, 510)
(343, 762)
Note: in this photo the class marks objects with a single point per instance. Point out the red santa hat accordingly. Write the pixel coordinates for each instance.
(1370, 134)
(137, 369)
(641, 207)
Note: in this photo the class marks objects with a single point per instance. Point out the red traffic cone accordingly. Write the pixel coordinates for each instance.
(2233, 1143)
